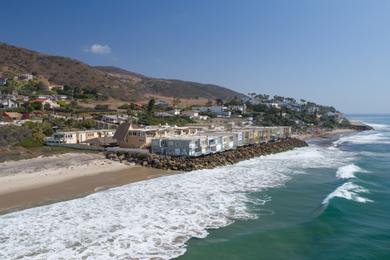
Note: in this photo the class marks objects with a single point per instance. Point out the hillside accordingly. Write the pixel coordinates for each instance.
(111, 81)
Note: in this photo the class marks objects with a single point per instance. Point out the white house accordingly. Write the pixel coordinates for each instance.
(56, 87)
(163, 114)
(174, 111)
(77, 137)
(220, 111)
(240, 108)
(8, 103)
(190, 113)
(26, 77)
(3, 81)
(115, 119)
(46, 102)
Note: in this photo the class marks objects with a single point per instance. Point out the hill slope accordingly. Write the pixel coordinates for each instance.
(111, 81)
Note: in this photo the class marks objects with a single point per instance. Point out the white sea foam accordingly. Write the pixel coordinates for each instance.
(154, 218)
(349, 191)
(364, 138)
(348, 171)
(379, 126)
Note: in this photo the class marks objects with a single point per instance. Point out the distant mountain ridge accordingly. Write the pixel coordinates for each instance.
(111, 81)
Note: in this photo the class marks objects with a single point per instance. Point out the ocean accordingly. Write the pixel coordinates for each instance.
(326, 201)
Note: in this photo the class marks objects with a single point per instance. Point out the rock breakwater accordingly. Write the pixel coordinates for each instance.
(183, 163)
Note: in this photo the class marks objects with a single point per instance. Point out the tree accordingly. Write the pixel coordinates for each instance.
(36, 106)
(42, 86)
(101, 107)
(47, 106)
(235, 101)
(219, 102)
(176, 102)
(151, 105)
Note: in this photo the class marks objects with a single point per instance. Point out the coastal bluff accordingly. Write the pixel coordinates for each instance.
(185, 163)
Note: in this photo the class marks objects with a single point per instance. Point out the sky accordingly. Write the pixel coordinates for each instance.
(333, 52)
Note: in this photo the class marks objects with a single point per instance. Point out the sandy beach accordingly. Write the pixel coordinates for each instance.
(43, 180)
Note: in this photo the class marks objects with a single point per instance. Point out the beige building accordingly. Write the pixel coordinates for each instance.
(128, 136)
(77, 137)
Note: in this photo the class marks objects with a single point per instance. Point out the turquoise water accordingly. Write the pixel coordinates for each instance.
(334, 212)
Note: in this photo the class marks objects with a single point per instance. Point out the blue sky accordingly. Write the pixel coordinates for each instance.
(334, 52)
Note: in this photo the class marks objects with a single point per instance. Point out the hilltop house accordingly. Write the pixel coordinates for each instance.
(115, 119)
(220, 111)
(174, 111)
(7, 103)
(193, 114)
(3, 81)
(46, 102)
(56, 87)
(190, 113)
(240, 108)
(163, 114)
(25, 77)
(12, 116)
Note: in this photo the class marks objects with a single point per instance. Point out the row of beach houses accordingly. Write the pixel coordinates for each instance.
(195, 140)
(174, 140)
(207, 142)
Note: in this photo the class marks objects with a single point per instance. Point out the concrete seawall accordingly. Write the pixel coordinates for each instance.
(207, 161)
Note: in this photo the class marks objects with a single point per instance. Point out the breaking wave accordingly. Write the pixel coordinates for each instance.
(155, 218)
(379, 126)
(364, 138)
(348, 171)
(349, 191)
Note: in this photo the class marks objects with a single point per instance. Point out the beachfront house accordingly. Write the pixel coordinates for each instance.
(128, 136)
(77, 137)
(180, 145)
(209, 141)
(224, 138)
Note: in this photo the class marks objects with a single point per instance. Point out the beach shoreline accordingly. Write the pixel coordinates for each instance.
(65, 180)
(52, 184)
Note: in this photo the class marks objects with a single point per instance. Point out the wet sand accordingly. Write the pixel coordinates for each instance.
(74, 188)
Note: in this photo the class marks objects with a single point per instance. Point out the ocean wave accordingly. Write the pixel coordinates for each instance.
(364, 138)
(153, 218)
(349, 191)
(348, 171)
(378, 126)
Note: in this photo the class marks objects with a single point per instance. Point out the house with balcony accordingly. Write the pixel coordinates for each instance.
(180, 146)
(129, 136)
(77, 137)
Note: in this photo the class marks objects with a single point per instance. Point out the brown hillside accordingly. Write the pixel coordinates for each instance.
(111, 81)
